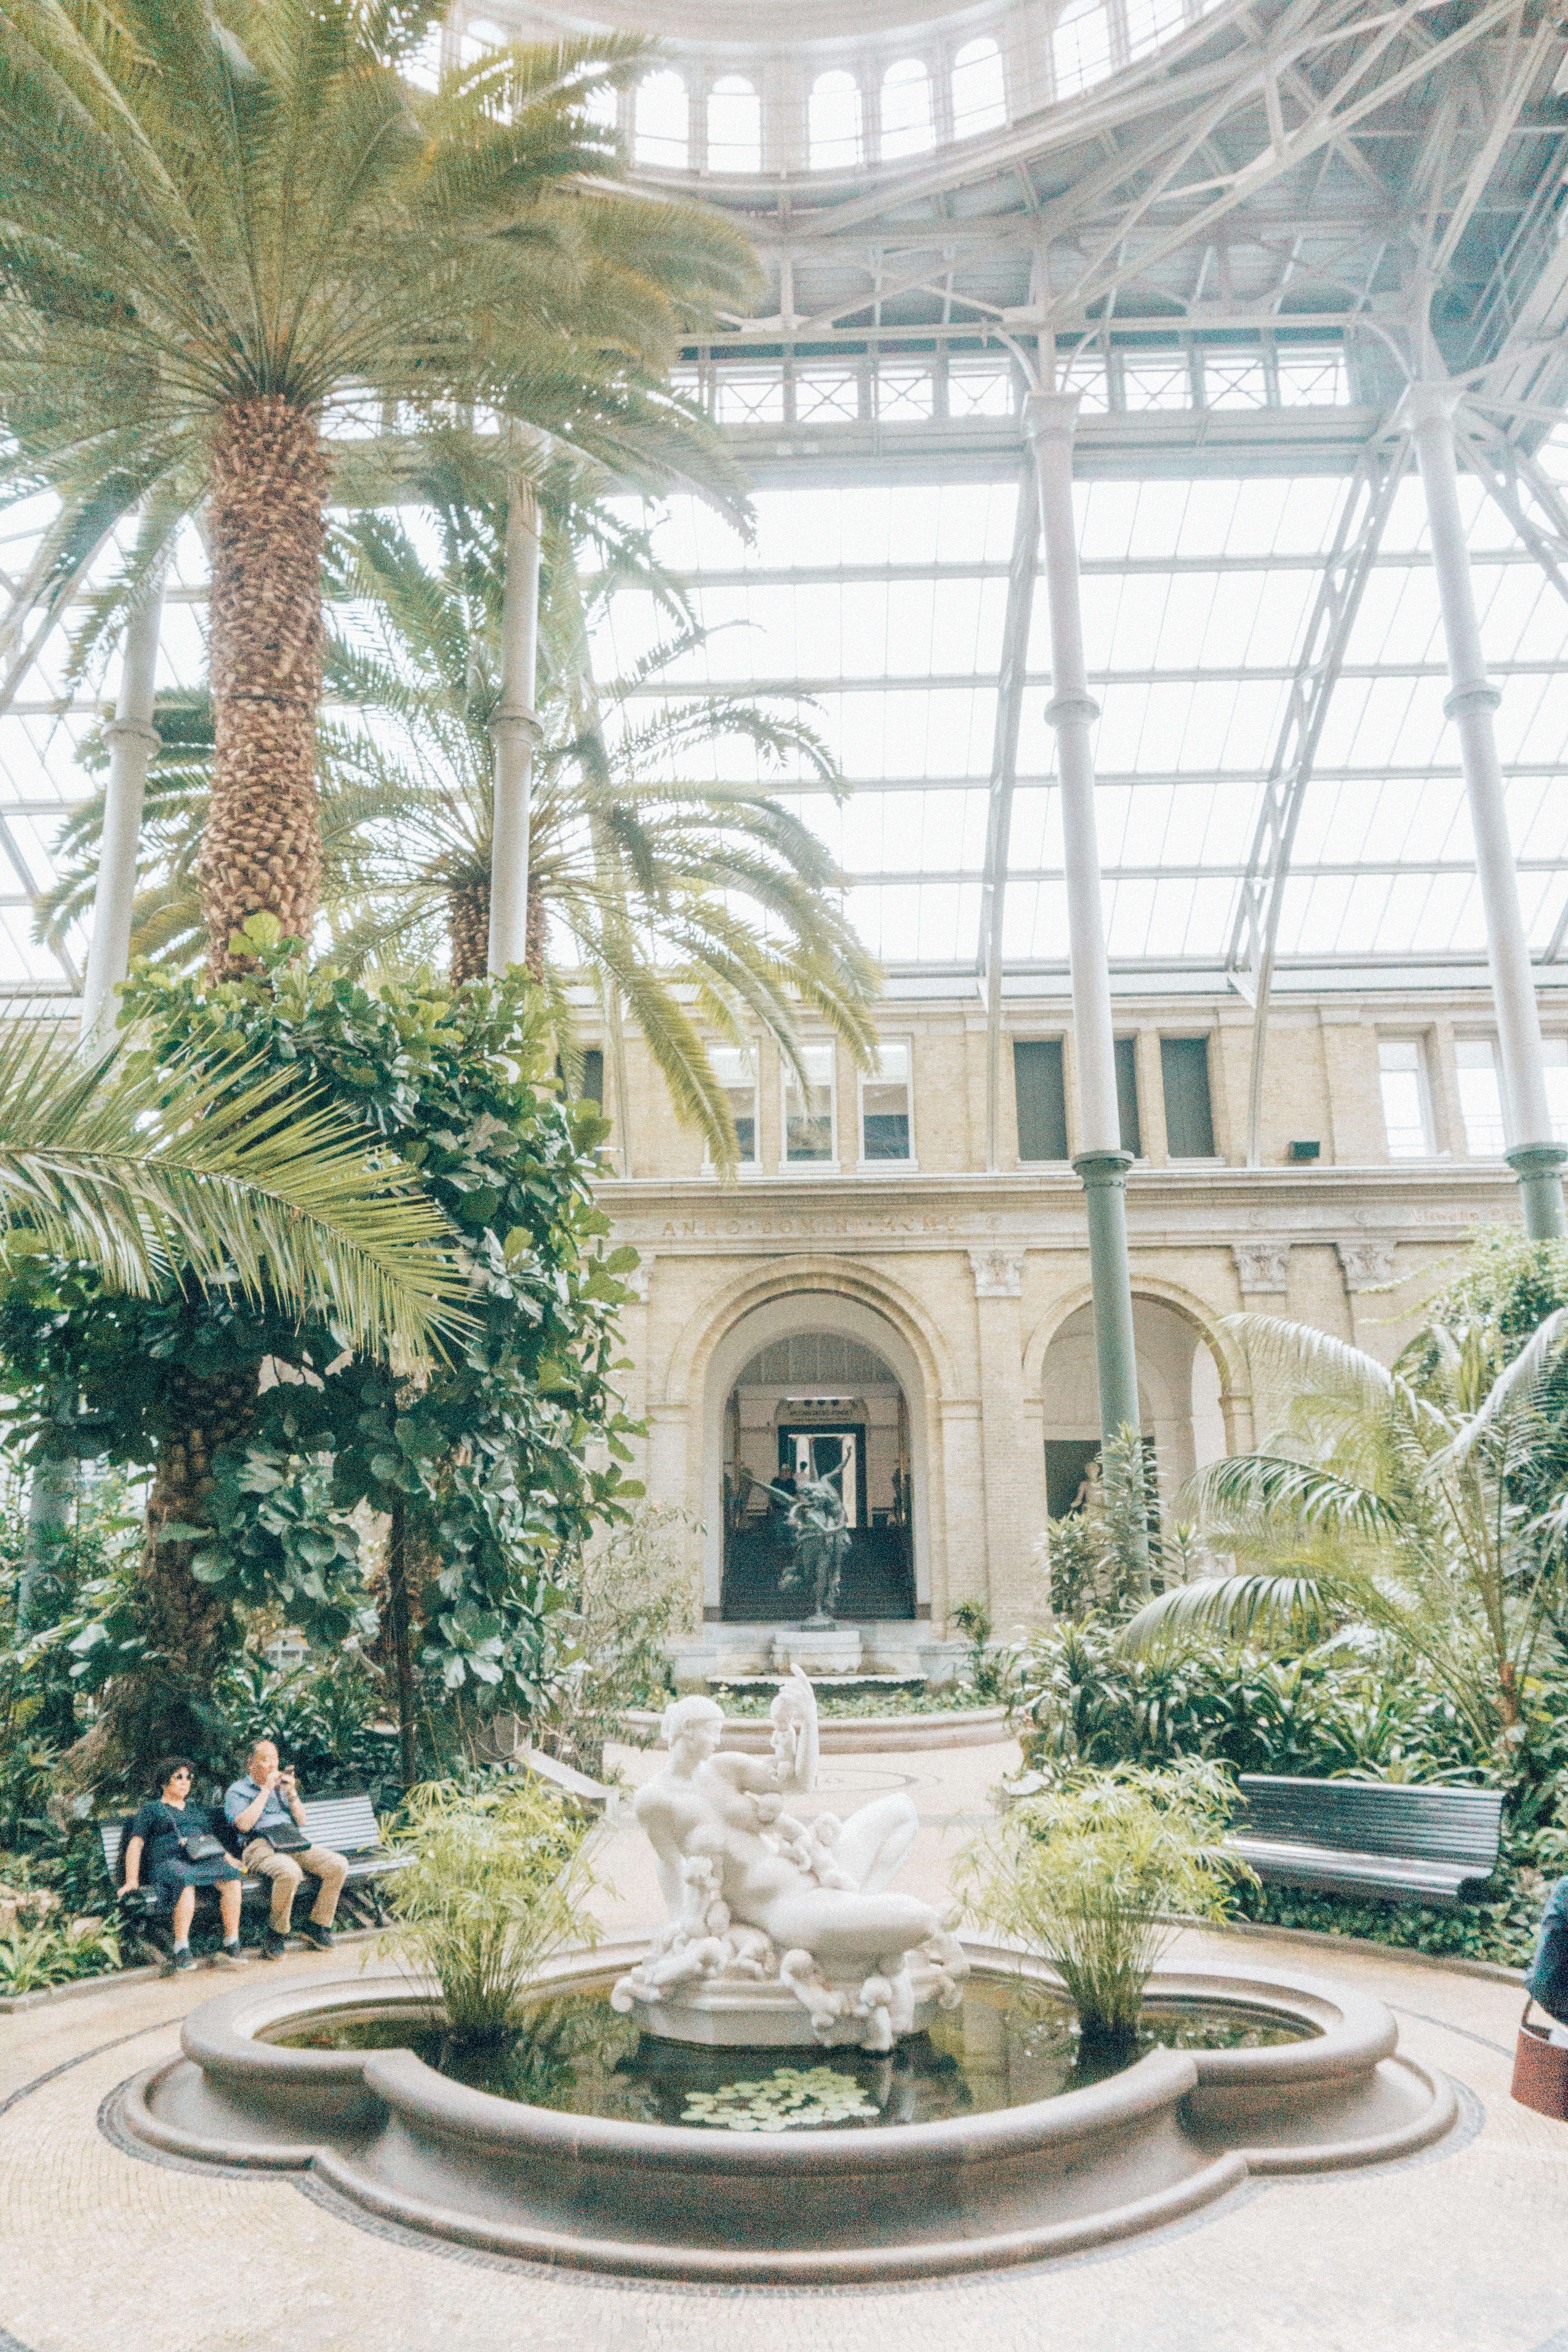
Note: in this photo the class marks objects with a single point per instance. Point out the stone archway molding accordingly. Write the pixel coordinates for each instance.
(810, 1294)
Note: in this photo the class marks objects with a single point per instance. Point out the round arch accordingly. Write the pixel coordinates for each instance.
(1186, 1379)
(800, 1298)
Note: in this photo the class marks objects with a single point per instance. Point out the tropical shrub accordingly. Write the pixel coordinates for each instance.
(1401, 1500)
(496, 1882)
(984, 1672)
(33, 1957)
(1080, 1697)
(1088, 1874)
(271, 1437)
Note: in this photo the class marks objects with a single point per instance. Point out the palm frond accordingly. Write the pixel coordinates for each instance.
(223, 1178)
(1276, 1611)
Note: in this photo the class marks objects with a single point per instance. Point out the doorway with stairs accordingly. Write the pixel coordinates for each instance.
(817, 1404)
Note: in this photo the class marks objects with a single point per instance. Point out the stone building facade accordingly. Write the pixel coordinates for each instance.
(952, 1303)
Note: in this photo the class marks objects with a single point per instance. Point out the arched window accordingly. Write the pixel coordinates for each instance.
(1150, 22)
(834, 121)
(734, 126)
(908, 128)
(663, 132)
(1081, 46)
(979, 96)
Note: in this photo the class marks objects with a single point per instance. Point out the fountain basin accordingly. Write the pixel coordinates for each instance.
(1017, 2183)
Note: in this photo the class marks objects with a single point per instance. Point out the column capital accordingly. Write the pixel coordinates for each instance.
(1051, 412)
(998, 1273)
(1101, 1171)
(1367, 1265)
(637, 1279)
(1262, 1266)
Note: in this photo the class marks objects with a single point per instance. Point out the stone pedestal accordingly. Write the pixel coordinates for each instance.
(831, 1650)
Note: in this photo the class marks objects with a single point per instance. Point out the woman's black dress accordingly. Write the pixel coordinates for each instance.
(165, 1869)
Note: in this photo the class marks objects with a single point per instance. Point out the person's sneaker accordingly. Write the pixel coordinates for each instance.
(232, 1956)
(321, 1936)
(184, 1958)
(273, 1944)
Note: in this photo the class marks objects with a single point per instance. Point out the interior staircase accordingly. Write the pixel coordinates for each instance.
(878, 1581)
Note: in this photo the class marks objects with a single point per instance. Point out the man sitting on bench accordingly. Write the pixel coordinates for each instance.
(265, 1810)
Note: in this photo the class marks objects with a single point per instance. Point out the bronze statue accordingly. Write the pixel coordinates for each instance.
(819, 1530)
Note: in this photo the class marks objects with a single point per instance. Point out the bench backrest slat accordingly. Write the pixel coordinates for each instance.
(347, 1824)
(1454, 1825)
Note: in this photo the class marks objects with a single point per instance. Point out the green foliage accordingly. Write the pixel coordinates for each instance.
(320, 1715)
(631, 1592)
(497, 1881)
(1406, 1500)
(985, 1671)
(167, 1176)
(199, 208)
(1088, 1874)
(1081, 1698)
(488, 1451)
(33, 1957)
(1102, 1558)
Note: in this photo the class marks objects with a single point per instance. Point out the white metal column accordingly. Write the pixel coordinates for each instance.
(516, 732)
(132, 741)
(1534, 1156)
(1101, 1162)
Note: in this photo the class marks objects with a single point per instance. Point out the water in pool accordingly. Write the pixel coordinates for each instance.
(1006, 2046)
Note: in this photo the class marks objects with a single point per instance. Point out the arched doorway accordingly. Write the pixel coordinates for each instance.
(818, 1403)
(1178, 1400)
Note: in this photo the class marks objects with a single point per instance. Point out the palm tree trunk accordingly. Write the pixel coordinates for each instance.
(262, 852)
(468, 931)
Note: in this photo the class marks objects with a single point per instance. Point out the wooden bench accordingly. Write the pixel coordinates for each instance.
(346, 1824)
(1384, 1840)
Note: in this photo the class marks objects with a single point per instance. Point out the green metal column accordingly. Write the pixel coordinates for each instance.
(1104, 1178)
(1101, 1163)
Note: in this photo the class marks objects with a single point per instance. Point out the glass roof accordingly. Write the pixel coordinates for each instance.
(886, 606)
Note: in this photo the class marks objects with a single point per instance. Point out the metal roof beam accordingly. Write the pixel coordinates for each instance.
(1251, 959)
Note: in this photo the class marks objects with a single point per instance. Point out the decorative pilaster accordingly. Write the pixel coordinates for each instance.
(1366, 1266)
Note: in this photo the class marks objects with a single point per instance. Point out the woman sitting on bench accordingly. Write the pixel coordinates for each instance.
(176, 1842)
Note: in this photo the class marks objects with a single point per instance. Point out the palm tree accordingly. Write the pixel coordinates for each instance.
(219, 218)
(1391, 1497)
(644, 870)
(227, 1177)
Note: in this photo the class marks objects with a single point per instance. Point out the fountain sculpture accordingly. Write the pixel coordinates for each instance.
(779, 1931)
